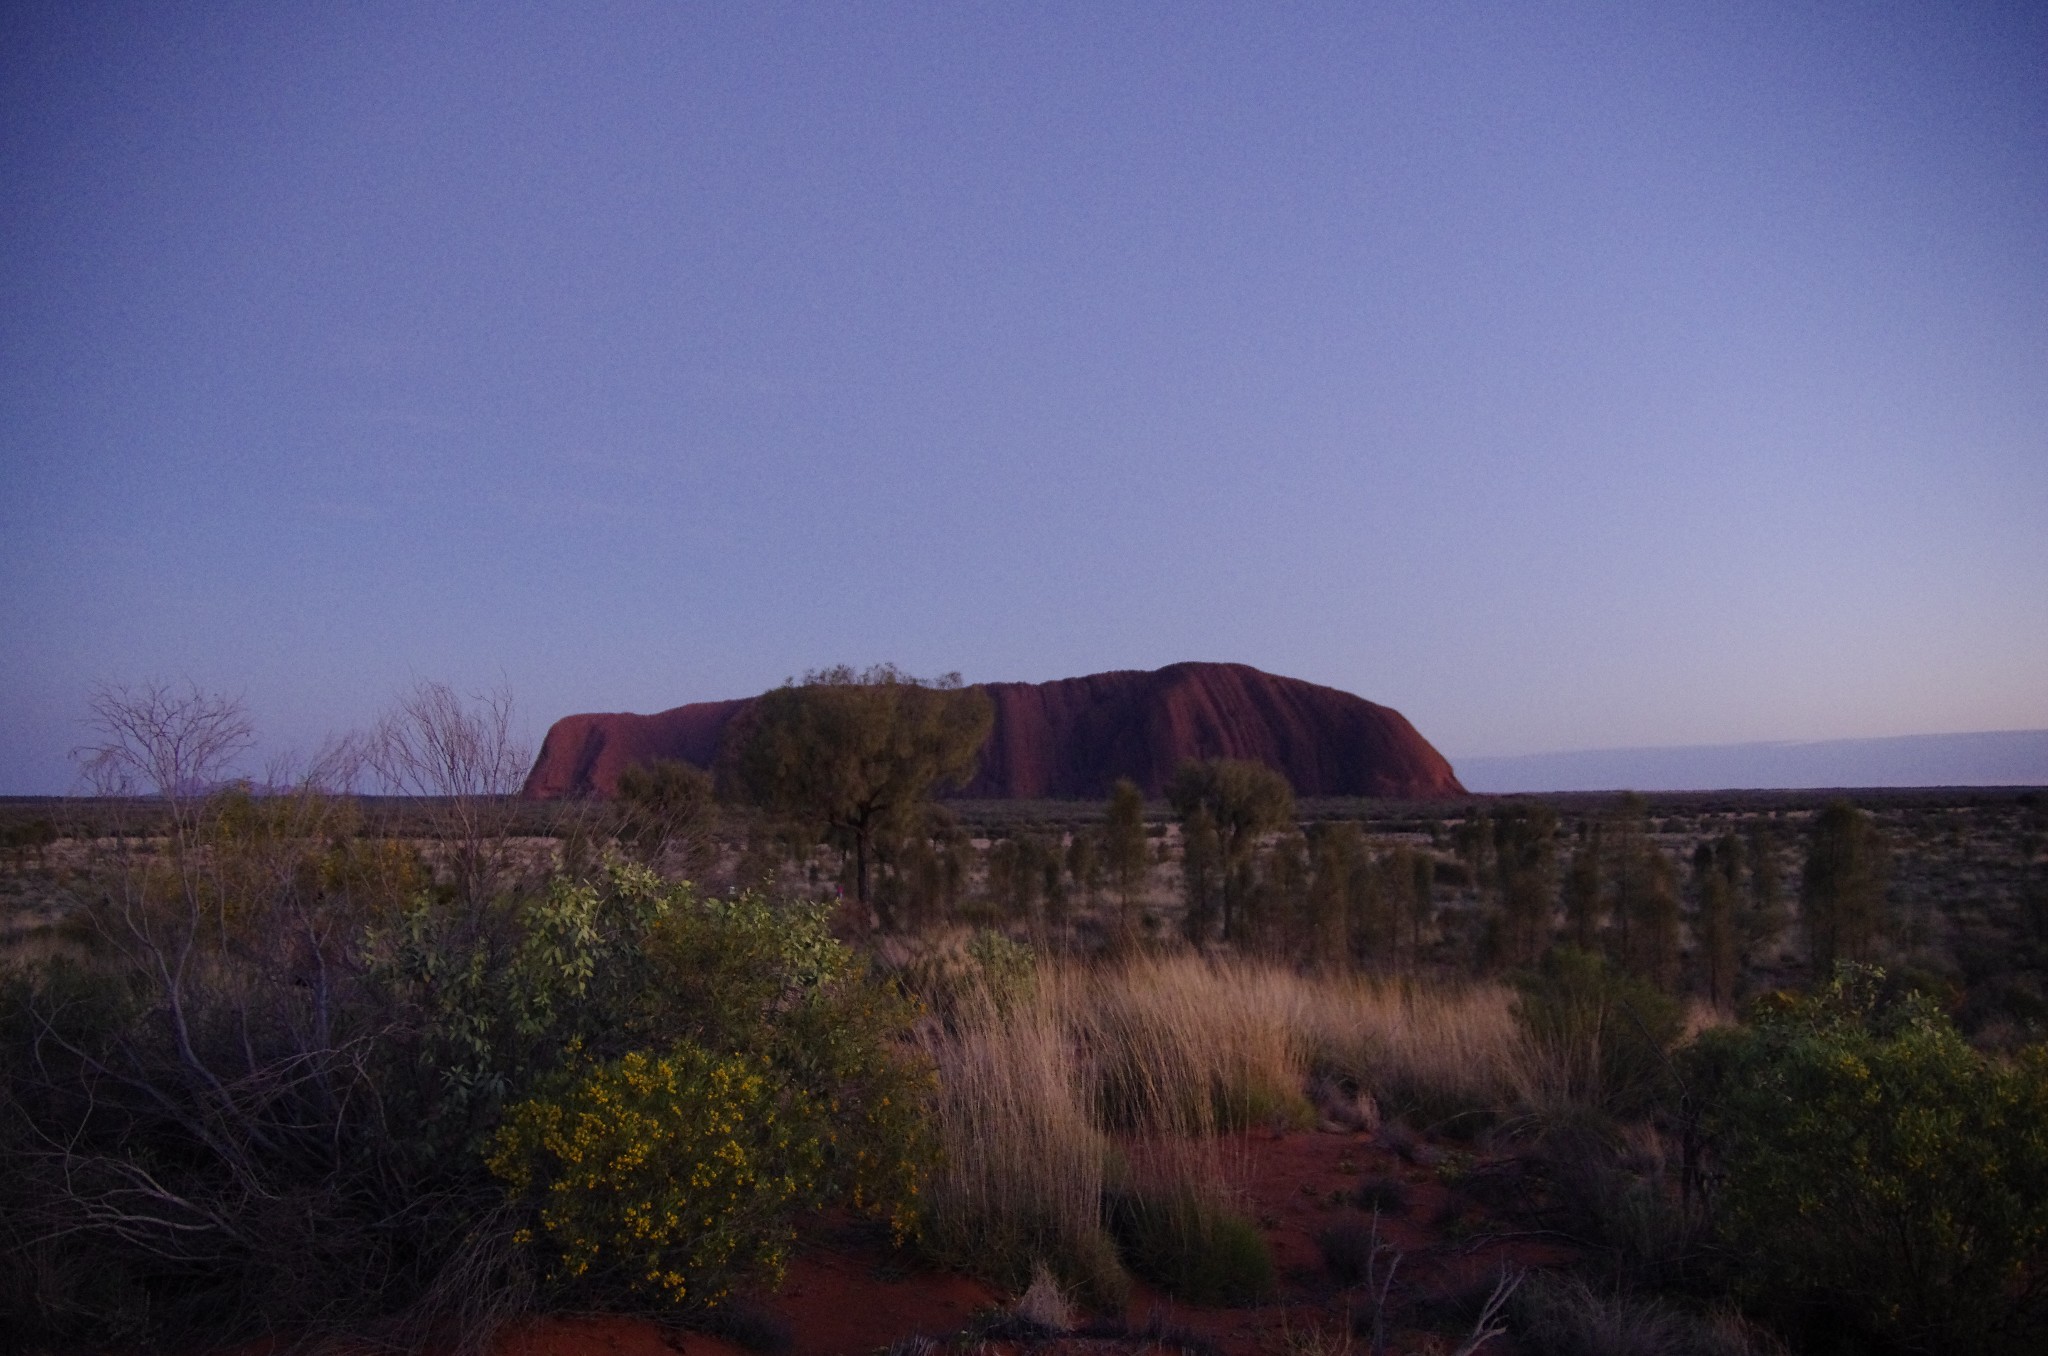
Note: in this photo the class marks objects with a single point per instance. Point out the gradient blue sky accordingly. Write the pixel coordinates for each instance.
(1564, 375)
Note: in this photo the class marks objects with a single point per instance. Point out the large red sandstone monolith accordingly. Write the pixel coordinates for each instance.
(1071, 739)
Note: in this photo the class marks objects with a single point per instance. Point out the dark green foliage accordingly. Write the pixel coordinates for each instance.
(1021, 873)
(1384, 1195)
(1191, 1246)
(1123, 846)
(663, 807)
(1841, 889)
(858, 754)
(1345, 914)
(1644, 928)
(1717, 887)
(1764, 917)
(275, 1122)
(922, 873)
(1241, 800)
(1201, 870)
(1521, 869)
(1277, 905)
(1584, 892)
(1879, 1170)
(1416, 905)
(1084, 865)
(1610, 1030)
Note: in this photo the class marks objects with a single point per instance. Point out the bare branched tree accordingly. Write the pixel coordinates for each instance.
(210, 1099)
(174, 742)
(462, 756)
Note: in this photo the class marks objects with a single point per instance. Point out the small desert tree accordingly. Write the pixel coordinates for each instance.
(1584, 890)
(1336, 918)
(1643, 903)
(462, 758)
(859, 754)
(665, 807)
(1084, 865)
(1841, 889)
(1409, 878)
(1124, 847)
(1763, 914)
(1201, 869)
(1717, 886)
(175, 743)
(1242, 800)
(1524, 857)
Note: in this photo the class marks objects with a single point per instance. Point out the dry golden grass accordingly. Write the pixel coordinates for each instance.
(1125, 1075)
(1021, 1175)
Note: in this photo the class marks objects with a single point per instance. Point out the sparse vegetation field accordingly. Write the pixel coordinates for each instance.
(1550, 1075)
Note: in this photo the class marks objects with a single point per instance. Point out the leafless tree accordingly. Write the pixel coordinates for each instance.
(226, 1115)
(174, 742)
(462, 757)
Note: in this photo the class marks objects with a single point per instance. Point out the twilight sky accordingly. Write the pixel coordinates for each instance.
(1565, 375)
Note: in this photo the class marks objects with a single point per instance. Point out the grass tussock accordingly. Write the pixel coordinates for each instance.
(1108, 1092)
(1022, 1162)
(1561, 1316)
(1186, 1239)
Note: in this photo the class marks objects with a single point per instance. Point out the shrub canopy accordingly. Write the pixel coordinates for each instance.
(1878, 1166)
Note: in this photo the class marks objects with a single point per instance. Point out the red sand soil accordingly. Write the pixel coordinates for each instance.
(849, 1295)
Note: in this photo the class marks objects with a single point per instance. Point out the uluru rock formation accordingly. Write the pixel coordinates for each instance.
(584, 755)
(1071, 739)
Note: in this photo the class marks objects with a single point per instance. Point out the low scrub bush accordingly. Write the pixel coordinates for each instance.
(268, 1106)
(1353, 1252)
(1603, 1033)
(1879, 1170)
(1605, 1195)
(1382, 1195)
(666, 1176)
(1192, 1245)
(1563, 1316)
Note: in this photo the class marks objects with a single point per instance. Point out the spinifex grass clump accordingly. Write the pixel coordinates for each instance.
(1021, 1171)
(1046, 1087)
(1604, 1031)
(1446, 1055)
(1182, 1047)
(1192, 1244)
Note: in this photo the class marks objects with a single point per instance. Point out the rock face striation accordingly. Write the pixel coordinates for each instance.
(1071, 739)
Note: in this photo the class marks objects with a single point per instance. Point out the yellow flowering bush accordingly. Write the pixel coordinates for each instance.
(1873, 1165)
(670, 1174)
(683, 1076)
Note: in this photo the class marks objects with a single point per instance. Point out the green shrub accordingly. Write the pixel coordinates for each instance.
(594, 970)
(1252, 1103)
(1192, 1246)
(303, 1073)
(1878, 1166)
(669, 1176)
(1608, 1031)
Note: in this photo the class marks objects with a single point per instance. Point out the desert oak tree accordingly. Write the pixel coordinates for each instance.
(857, 754)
